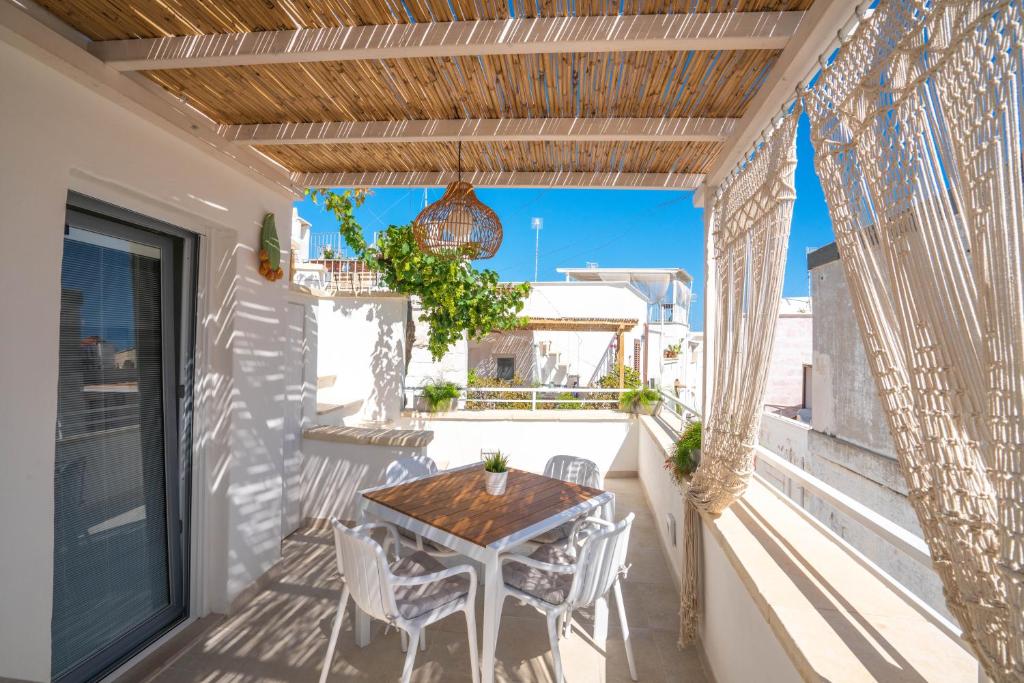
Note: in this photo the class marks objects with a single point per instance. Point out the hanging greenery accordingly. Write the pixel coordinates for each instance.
(457, 298)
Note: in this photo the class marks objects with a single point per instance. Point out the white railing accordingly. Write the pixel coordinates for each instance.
(532, 398)
(674, 413)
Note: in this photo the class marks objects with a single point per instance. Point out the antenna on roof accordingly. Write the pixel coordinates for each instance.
(536, 224)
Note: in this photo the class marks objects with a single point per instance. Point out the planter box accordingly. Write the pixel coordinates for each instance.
(423, 406)
(641, 410)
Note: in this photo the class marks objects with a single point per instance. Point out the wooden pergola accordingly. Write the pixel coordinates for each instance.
(649, 94)
(617, 326)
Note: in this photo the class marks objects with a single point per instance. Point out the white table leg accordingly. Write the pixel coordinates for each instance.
(492, 613)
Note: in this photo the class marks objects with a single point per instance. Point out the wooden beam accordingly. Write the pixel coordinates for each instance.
(38, 33)
(552, 179)
(484, 130)
(628, 33)
(620, 358)
(816, 32)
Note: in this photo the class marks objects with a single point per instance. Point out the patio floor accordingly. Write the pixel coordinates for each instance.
(281, 635)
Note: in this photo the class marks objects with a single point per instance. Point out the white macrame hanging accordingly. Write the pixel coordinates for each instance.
(917, 134)
(751, 216)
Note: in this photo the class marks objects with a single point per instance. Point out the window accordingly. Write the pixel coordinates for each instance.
(506, 369)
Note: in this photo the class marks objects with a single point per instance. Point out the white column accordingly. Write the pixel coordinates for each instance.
(709, 303)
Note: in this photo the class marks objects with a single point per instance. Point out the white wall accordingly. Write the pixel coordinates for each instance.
(361, 344)
(790, 352)
(56, 135)
(606, 437)
(663, 496)
(730, 618)
(333, 473)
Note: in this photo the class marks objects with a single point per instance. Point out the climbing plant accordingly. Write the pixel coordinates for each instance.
(456, 297)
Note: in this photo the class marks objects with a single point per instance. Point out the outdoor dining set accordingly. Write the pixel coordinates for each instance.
(549, 541)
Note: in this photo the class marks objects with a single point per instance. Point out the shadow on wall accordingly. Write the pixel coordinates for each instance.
(375, 330)
(240, 403)
(332, 475)
(484, 354)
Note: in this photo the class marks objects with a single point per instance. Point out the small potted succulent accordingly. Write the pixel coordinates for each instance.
(686, 455)
(496, 469)
(440, 397)
(640, 400)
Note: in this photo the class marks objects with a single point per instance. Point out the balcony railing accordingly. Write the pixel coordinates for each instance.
(531, 398)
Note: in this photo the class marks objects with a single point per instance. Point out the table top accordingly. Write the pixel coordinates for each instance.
(457, 502)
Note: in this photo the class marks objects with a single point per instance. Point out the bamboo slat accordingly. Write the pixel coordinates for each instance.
(114, 19)
(671, 84)
(712, 84)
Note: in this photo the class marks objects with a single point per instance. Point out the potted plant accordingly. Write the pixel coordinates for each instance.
(673, 351)
(640, 400)
(686, 455)
(496, 467)
(440, 397)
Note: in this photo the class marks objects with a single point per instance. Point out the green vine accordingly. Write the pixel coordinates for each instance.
(457, 298)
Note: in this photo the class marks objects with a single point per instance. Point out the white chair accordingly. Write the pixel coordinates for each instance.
(402, 470)
(577, 471)
(410, 593)
(557, 579)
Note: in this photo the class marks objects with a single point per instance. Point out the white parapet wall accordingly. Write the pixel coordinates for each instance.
(337, 462)
(531, 437)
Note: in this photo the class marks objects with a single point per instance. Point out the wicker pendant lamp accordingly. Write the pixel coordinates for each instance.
(458, 221)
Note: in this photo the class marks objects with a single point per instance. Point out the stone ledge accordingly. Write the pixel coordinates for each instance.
(834, 614)
(369, 436)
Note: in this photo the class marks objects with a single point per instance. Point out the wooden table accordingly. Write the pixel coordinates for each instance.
(452, 508)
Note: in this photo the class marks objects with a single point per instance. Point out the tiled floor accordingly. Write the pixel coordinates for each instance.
(281, 635)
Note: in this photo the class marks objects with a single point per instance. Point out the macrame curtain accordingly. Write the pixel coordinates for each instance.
(917, 134)
(751, 218)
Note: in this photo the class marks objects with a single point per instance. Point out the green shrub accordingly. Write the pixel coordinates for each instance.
(681, 462)
(439, 393)
(640, 398)
(496, 462)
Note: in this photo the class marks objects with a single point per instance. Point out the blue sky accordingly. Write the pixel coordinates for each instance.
(615, 228)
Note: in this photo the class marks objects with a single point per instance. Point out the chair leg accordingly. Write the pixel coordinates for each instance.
(556, 657)
(423, 639)
(474, 653)
(405, 640)
(625, 628)
(566, 624)
(335, 632)
(410, 656)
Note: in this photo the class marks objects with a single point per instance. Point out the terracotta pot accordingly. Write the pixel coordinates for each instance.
(496, 483)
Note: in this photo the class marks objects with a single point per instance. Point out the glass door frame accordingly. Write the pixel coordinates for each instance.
(178, 296)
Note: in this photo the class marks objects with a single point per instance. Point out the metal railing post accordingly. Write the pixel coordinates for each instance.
(533, 401)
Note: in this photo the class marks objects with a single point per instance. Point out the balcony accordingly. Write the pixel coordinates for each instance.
(281, 633)
(770, 573)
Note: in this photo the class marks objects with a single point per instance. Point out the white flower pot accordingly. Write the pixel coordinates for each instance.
(496, 482)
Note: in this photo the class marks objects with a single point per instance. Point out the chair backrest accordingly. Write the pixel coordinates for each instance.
(599, 561)
(576, 470)
(364, 565)
(404, 469)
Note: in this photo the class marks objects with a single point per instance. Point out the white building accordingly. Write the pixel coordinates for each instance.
(575, 331)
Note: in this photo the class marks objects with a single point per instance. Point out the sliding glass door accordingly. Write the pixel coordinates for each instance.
(122, 455)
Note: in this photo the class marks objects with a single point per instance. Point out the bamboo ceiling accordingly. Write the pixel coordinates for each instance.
(713, 84)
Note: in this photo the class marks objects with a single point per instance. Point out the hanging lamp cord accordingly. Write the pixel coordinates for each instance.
(460, 159)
